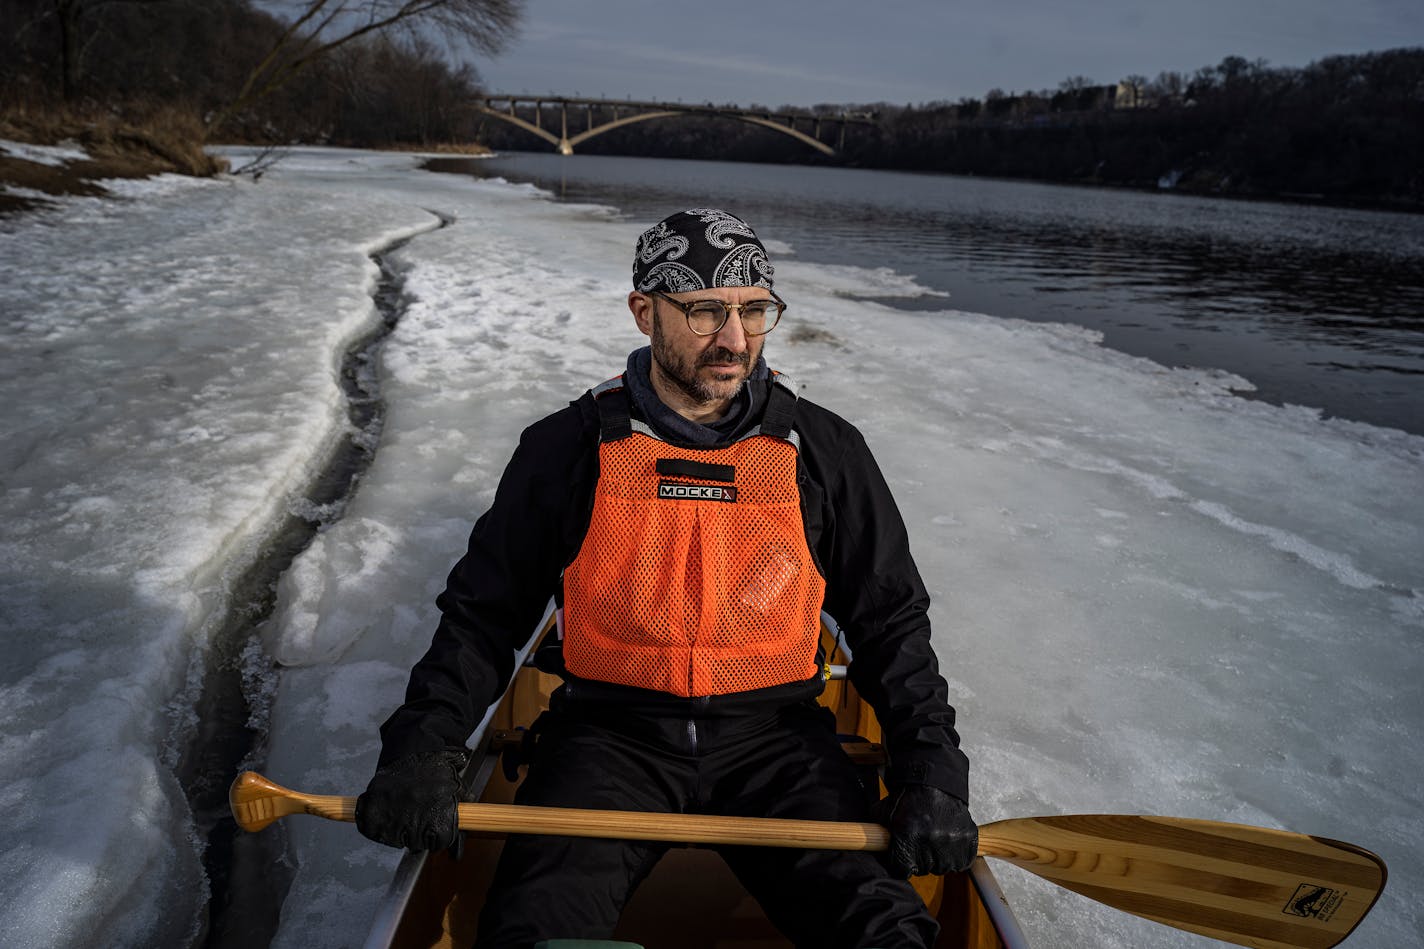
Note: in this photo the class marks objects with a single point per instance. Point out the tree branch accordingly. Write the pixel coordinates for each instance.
(483, 23)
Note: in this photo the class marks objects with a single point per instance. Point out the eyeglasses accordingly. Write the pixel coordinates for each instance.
(707, 317)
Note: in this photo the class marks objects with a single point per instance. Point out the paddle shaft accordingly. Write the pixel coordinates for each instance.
(1271, 889)
(256, 802)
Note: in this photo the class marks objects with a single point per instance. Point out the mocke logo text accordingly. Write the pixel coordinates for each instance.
(673, 491)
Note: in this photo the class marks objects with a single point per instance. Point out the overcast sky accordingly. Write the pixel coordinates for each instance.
(802, 52)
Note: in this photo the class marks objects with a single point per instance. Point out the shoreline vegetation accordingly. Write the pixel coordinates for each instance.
(165, 140)
(1345, 130)
(172, 141)
(162, 140)
(142, 87)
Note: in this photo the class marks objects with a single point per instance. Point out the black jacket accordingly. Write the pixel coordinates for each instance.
(498, 591)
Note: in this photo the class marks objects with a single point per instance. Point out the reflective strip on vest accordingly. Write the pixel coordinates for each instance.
(694, 585)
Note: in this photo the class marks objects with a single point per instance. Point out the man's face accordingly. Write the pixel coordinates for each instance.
(705, 369)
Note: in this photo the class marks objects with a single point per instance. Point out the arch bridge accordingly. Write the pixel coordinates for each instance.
(805, 128)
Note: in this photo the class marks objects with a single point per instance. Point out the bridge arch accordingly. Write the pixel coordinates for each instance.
(549, 137)
(565, 143)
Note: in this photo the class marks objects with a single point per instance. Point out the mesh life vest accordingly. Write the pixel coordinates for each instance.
(695, 577)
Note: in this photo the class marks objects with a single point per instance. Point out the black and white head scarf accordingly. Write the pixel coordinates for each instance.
(700, 249)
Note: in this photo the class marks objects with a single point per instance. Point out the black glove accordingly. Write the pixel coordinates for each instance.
(411, 802)
(930, 831)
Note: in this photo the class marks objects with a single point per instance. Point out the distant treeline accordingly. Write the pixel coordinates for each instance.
(387, 89)
(1344, 129)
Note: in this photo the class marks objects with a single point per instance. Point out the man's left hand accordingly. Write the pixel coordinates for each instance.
(930, 832)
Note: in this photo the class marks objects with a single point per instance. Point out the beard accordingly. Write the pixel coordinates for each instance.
(683, 373)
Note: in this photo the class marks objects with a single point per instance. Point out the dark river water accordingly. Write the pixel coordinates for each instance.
(1315, 306)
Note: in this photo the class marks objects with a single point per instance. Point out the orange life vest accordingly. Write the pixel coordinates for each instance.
(694, 577)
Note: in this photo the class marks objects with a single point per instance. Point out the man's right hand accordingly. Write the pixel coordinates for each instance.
(411, 802)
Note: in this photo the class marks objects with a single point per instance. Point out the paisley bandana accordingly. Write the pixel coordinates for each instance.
(700, 249)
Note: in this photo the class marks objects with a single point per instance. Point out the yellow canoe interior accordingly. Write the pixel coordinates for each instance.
(691, 900)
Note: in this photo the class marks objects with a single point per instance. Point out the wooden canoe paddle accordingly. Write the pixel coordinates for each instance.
(1271, 889)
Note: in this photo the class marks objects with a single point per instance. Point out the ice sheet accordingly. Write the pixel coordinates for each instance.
(1150, 595)
(168, 378)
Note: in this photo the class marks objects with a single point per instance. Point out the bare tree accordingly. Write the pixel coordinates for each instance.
(1168, 86)
(74, 19)
(321, 26)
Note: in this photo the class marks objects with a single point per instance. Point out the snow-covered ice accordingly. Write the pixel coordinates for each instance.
(1150, 595)
(168, 383)
(53, 155)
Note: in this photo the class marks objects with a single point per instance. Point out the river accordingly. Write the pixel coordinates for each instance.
(1314, 306)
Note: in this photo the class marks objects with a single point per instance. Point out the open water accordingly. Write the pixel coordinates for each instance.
(1314, 306)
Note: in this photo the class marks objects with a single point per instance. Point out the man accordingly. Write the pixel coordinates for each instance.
(695, 517)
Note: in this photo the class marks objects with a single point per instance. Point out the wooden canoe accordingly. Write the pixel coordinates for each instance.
(434, 899)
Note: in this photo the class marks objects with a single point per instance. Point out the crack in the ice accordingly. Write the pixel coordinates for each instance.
(247, 873)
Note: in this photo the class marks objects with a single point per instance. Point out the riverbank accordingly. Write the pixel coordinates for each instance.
(49, 153)
(46, 153)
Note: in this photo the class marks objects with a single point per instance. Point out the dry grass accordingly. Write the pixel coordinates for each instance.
(133, 143)
(441, 148)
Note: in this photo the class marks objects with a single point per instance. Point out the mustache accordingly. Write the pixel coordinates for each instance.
(722, 354)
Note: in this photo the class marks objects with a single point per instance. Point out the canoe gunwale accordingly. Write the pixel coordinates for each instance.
(389, 911)
(997, 905)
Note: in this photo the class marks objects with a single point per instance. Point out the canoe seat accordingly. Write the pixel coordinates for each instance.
(864, 752)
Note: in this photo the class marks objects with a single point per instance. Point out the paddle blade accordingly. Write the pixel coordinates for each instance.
(1270, 889)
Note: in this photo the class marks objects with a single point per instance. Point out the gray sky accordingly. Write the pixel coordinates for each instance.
(801, 52)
